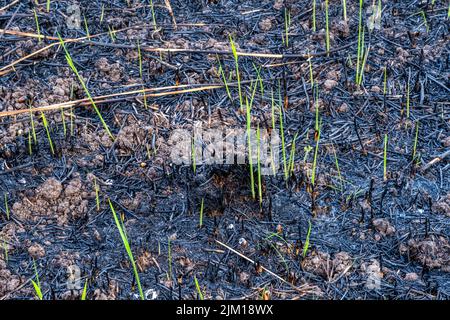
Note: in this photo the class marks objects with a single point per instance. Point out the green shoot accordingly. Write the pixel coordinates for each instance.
(149, 155)
(201, 212)
(316, 105)
(252, 97)
(6, 206)
(273, 111)
(292, 155)
(38, 29)
(127, 248)
(287, 25)
(112, 33)
(327, 28)
(258, 78)
(74, 69)
(37, 284)
(153, 15)
(84, 292)
(306, 246)
(258, 156)
(314, 16)
(273, 128)
(225, 82)
(385, 157)
(47, 130)
(140, 59)
(415, 141)
(344, 7)
(86, 28)
(311, 77)
(250, 160)
(313, 176)
(30, 148)
(102, 15)
(360, 41)
(422, 13)
(338, 170)
(63, 119)
(236, 63)
(48, 5)
(97, 197)
(199, 290)
(363, 65)
(72, 116)
(144, 98)
(283, 146)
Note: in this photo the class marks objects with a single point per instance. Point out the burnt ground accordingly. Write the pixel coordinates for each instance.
(363, 227)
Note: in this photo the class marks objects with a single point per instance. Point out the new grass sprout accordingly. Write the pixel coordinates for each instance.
(313, 175)
(84, 292)
(74, 69)
(153, 15)
(37, 284)
(201, 212)
(38, 29)
(385, 157)
(306, 246)
(238, 77)
(6, 206)
(126, 244)
(199, 290)
(47, 130)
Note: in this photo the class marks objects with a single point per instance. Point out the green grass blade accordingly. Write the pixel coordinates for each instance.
(127, 248)
(250, 160)
(84, 293)
(201, 212)
(306, 246)
(313, 176)
(197, 286)
(74, 69)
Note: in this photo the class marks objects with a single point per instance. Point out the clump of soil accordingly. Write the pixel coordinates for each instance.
(112, 71)
(36, 251)
(8, 281)
(132, 136)
(383, 226)
(432, 252)
(443, 205)
(320, 263)
(9, 235)
(53, 200)
(65, 259)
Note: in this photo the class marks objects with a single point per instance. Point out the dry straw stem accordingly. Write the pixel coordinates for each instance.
(304, 289)
(8, 6)
(173, 90)
(169, 8)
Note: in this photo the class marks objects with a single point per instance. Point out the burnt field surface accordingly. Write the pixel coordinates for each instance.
(91, 91)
